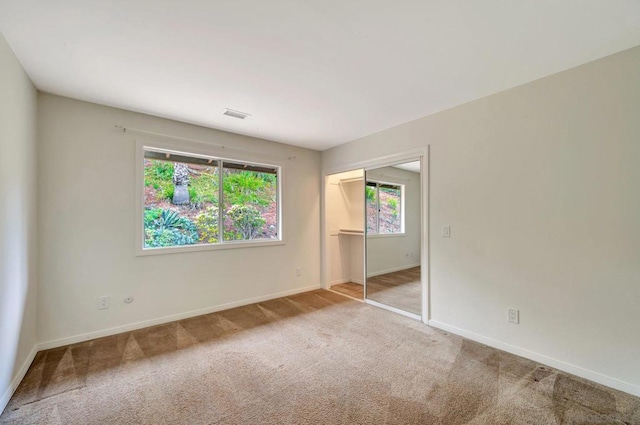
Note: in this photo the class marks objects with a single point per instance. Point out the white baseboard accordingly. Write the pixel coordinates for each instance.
(392, 269)
(541, 358)
(180, 316)
(6, 395)
(339, 281)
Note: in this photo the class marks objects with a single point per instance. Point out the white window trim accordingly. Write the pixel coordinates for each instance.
(402, 231)
(203, 150)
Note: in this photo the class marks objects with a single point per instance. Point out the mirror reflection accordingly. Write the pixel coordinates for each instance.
(392, 198)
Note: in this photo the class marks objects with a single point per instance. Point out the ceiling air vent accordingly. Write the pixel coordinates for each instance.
(236, 114)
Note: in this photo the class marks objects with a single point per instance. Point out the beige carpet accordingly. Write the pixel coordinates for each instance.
(399, 289)
(314, 358)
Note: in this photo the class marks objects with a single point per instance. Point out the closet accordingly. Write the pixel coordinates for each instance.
(374, 225)
(345, 230)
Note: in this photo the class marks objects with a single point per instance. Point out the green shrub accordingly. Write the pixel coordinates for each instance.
(167, 192)
(249, 187)
(163, 227)
(370, 193)
(204, 188)
(207, 225)
(246, 221)
(155, 171)
(159, 175)
(150, 215)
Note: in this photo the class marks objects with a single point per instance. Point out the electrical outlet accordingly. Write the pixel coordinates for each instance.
(514, 316)
(103, 303)
(298, 271)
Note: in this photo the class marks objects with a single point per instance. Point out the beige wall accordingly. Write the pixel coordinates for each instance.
(87, 221)
(540, 187)
(17, 221)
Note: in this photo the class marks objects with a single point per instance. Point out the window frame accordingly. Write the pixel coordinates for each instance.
(402, 231)
(201, 150)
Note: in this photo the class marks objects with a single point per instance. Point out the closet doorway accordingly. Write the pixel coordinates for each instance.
(344, 197)
(375, 232)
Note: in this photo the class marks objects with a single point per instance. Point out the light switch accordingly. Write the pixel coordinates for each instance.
(446, 232)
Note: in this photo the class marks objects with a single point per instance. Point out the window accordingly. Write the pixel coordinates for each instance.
(201, 200)
(385, 213)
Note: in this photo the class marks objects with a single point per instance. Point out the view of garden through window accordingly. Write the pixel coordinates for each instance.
(183, 203)
(384, 215)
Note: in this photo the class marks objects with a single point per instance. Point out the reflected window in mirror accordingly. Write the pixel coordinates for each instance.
(385, 212)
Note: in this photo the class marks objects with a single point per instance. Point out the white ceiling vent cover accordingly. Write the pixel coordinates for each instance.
(236, 114)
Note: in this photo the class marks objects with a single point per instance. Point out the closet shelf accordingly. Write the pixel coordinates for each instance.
(352, 180)
(357, 232)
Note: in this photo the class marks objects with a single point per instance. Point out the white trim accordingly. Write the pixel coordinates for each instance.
(425, 242)
(386, 160)
(172, 318)
(395, 310)
(255, 243)
(8, 393)
(541, 358)
(394, 269)
(339, 281)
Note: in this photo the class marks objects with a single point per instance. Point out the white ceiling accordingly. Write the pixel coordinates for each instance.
(413, 166)
(314, 73)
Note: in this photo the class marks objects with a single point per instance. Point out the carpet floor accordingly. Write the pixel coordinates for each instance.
(399, 289)
(313, 358)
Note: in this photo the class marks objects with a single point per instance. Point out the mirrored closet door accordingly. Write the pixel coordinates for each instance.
(393, 237)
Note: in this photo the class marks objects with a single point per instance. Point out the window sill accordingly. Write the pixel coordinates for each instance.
(386, 235)
(143, 252)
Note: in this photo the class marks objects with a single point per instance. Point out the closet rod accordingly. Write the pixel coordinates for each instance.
(351, 179)
(230, 148)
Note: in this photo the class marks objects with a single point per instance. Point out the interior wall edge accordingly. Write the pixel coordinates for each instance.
(541, 358)
(46, 345)
(18, 377)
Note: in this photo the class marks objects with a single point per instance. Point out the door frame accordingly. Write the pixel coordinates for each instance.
(406, 156)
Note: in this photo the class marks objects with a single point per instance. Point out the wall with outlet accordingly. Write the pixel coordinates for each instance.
(540, 187)
(387, 254)
(17, 222)
(87, 241)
